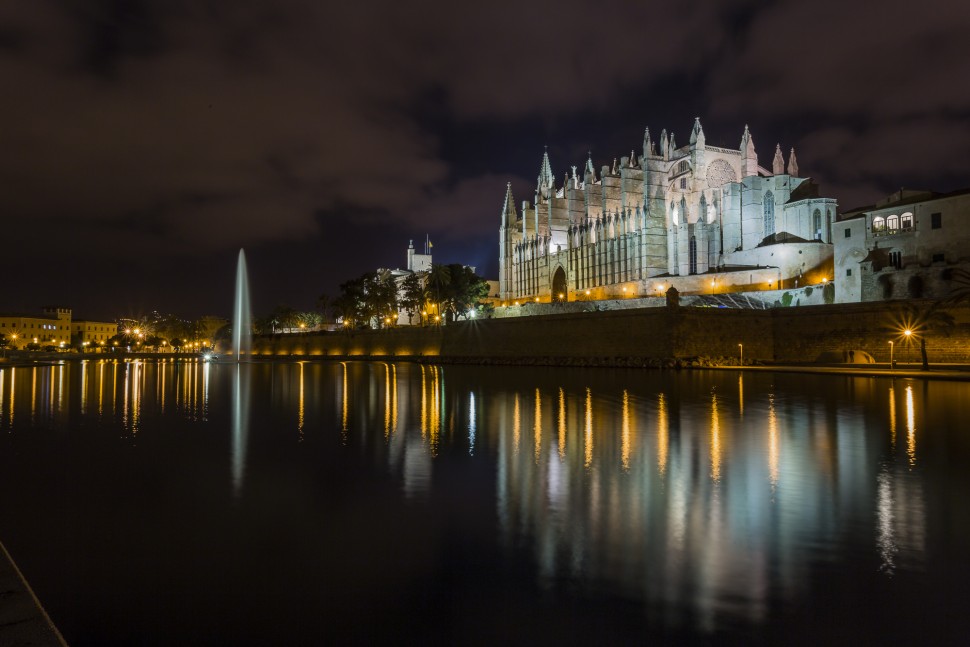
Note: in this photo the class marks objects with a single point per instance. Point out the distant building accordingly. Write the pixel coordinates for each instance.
(903, 247)
(690, 217)
(52, 328)
(92, 334)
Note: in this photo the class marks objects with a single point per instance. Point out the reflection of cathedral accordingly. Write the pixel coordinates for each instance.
(665, 217)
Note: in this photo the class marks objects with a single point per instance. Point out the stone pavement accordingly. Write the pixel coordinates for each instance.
(23, 620)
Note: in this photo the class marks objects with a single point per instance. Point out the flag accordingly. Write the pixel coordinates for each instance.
(430, 244)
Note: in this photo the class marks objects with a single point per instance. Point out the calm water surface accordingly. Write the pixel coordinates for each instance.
(302, 503)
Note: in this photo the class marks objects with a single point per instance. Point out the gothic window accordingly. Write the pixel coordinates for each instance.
(692, 255)
(906, 220)
(682, 167)
(683, 183)
(683, 209)
(817, 224)
(878, 224)
(892, 223)
(769, 213)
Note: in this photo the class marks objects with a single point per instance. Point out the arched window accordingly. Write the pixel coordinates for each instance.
(769, 213)
(692, 256)
(817, 224)
(892, 223)
(879, 223)
(906, 220)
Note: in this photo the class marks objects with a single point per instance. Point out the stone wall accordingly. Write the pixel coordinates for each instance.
(616, 337)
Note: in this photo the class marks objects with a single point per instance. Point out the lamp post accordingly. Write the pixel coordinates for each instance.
(891, 360)
(741, 354)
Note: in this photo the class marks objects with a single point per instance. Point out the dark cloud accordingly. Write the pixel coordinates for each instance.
(158, 133)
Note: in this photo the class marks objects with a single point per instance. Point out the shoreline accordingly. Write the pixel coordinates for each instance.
(911, 370)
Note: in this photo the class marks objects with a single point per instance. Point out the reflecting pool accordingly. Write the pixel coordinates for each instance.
(310, 502)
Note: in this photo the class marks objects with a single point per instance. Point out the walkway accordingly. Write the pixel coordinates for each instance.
(23, 620)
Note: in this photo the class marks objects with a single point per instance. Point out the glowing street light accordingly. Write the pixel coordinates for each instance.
(741, 354)
(891, 349)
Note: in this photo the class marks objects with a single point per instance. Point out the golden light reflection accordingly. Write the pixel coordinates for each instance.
(516, 425)
(343, 407)
(472, 418)
(393, 398)
(13, 394)
(1, 395)
(84, 387)
(33, 394)
(625, 433)
(434, 435)
(300, 409)
(162, 384)
(663, 433)
(387, 401)
(910, 427)
(715, 441)
(741, 395)
(424, 405)
(538, 427)
(589, 429)
(562, 424)
(772, 442)
(892, 417)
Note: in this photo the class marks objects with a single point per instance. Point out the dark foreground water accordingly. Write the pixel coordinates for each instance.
(307, 503)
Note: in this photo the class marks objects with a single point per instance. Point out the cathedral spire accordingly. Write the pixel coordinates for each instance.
(546, 182)
(749, 158)
(792, 164)
(664, 150)
(697, 133)
(647, 144)
(778, 164)
(673, 145)
(590, 171)
(508, 209)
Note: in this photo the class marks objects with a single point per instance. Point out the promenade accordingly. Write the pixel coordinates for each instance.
(23, 620)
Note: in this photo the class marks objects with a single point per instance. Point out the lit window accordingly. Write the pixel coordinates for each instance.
(892, 223)
(906, 221)
(878, 223)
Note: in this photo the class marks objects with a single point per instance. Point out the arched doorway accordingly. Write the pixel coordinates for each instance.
(559, 285)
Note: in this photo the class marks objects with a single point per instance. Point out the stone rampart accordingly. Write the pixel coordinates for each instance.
(644, 336)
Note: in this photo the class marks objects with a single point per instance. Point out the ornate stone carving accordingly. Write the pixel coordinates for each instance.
(720, 173)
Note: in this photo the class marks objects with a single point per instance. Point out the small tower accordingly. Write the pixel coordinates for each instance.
(546, 183)
(697, 139)
(664, 150)
(647, 145)
(792, 164)
(749, 158)
(778, 164)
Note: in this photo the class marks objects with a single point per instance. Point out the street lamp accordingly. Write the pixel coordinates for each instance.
(741, 352)
(891, 349)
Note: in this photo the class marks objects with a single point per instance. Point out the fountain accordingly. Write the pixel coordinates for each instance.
(242, 316)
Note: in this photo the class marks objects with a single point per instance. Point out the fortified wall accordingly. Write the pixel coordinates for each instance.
(643, 337)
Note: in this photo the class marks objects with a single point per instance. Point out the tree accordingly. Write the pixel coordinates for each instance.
(413, 295)
(439, 281)
(919, 319)
(308, 320)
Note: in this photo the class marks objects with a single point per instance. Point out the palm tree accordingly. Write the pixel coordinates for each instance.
(439, 282)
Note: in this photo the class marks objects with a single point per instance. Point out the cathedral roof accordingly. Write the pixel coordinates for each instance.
(804, 191)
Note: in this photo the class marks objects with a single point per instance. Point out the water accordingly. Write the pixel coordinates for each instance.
(155, 503)
(242, 319)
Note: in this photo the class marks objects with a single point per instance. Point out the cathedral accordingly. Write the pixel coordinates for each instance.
(698, 218)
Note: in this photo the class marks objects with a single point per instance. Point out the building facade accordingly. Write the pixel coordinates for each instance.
(696, 217)
(905, 246)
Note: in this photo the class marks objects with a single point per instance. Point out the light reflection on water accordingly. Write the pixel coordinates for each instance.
(705, 495)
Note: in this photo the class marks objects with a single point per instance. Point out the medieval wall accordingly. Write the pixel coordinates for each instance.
(782, 335)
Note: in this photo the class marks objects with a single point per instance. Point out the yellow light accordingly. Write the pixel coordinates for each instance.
(537, 299)
(624, 289)
(127, 331)
(906, 332)
(137, 331)
(825, 280)
(587, 292)
(560, 295)
(516, 303)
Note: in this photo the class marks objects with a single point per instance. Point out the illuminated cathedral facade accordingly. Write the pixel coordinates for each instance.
(697, 217)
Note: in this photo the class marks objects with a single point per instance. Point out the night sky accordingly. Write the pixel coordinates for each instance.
(144, 142)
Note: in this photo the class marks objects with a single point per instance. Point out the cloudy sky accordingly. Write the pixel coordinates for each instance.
(145, 141)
